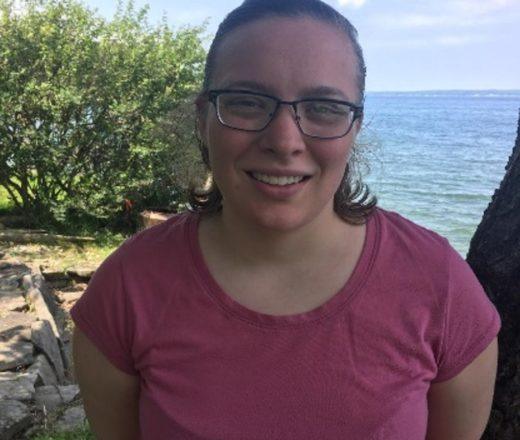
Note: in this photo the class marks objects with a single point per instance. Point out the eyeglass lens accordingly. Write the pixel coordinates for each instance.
(319, 118)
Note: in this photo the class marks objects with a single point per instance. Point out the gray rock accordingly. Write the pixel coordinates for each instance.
(17, 386)
(43, 337)
(9, 282)
(70, 297)
(52, 396)
(16, 323)
(12, 300)
(81, 275)
(54, 275)
(8, 268)
(46, 374)
(72, 419)
(27, 282)
(35, 297)
(15, 418)
(14, 353)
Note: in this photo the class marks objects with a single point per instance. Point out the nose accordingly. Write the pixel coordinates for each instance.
(283, 136)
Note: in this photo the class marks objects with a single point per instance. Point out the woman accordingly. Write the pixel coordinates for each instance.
(287, 306)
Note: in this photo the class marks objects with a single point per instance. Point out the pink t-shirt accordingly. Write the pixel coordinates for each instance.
(357, 367)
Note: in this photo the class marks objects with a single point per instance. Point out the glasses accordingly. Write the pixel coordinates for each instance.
(320, 118)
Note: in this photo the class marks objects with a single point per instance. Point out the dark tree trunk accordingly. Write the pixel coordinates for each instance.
(494, 255)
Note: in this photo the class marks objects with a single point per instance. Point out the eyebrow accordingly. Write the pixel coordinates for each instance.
(310, 92)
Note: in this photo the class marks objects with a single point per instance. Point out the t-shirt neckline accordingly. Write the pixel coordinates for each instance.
(330, 307)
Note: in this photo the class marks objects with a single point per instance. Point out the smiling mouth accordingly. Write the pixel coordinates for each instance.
(277, 180)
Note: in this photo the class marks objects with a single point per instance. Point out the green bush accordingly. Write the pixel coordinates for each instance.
(85, 109)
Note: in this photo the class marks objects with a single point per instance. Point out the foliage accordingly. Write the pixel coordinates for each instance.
(84, 103)
(82, 433)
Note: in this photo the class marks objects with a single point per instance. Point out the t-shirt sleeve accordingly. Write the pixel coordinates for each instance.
(104, 314)
(471, 321)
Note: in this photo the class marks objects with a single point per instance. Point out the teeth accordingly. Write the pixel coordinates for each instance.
(276, 180)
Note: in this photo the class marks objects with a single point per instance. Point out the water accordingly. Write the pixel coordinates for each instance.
(437, 157)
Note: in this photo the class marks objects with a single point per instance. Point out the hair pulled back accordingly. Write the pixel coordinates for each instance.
(352, 200)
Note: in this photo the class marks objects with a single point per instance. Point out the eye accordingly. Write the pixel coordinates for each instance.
(244, 103)
(325, 108)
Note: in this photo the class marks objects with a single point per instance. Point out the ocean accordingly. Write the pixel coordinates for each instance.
(437, 157)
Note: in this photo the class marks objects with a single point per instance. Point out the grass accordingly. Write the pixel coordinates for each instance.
(82, 433)
(66, 256)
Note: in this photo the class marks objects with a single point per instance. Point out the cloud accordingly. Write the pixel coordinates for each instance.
(480, 7)
(420, 42)
(353, 3)
(422, 21)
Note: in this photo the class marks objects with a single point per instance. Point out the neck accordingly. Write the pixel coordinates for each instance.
(251, 244)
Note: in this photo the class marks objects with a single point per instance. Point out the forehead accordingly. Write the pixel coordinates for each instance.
(287, 55)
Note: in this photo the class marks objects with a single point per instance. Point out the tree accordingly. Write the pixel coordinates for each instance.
(494, 255)
(82, 101)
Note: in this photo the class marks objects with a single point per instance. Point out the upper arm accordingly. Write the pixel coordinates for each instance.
(459, 408)
(110, 397)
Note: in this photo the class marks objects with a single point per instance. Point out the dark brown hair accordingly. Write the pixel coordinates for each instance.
(352, 201)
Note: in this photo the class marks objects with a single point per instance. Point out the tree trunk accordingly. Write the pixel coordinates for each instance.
(494, 255)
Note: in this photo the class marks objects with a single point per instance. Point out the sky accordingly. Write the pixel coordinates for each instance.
(408, 44)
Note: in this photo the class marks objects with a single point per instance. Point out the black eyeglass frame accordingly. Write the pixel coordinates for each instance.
(215, 93)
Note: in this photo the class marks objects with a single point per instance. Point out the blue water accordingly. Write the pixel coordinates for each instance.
(437, 157)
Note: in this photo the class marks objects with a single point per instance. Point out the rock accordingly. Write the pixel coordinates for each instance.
(35, 297)
(8, 268)
(27, 282)
(8, 282)
(12, 300)
(70, 297)
(44, 339)
(81, 275)
(15, 418)
(73, 418)
(16, 323)
(15, 353)
(54, 275)
(52, 396)
(152, 218)
(44, 371)
(17, 386)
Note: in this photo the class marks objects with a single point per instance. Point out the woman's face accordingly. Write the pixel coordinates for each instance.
(290, 58)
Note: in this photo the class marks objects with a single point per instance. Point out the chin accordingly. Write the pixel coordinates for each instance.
(280, 220)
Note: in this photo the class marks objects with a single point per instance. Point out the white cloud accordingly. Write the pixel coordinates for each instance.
(420, 21)
(419, 42)
(480, 7)
(353, 3)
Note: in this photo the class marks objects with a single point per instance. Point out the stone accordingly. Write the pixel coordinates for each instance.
(27, 282)
(54, 275)
(152, 218)
(44, 339)
(46, 374)
(17, 386)
(15, 353)
(12, 300)
(72, 419)
(70, 297)
(35, 297)
(81, 275)
(8, 268)
(15, 418)
(8, 282)
(16, 323)
(52, 396)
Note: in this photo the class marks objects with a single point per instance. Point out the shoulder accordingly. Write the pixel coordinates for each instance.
(159, 242)
(401, 237)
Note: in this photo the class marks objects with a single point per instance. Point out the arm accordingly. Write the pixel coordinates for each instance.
(459, 408)
(110, 397)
